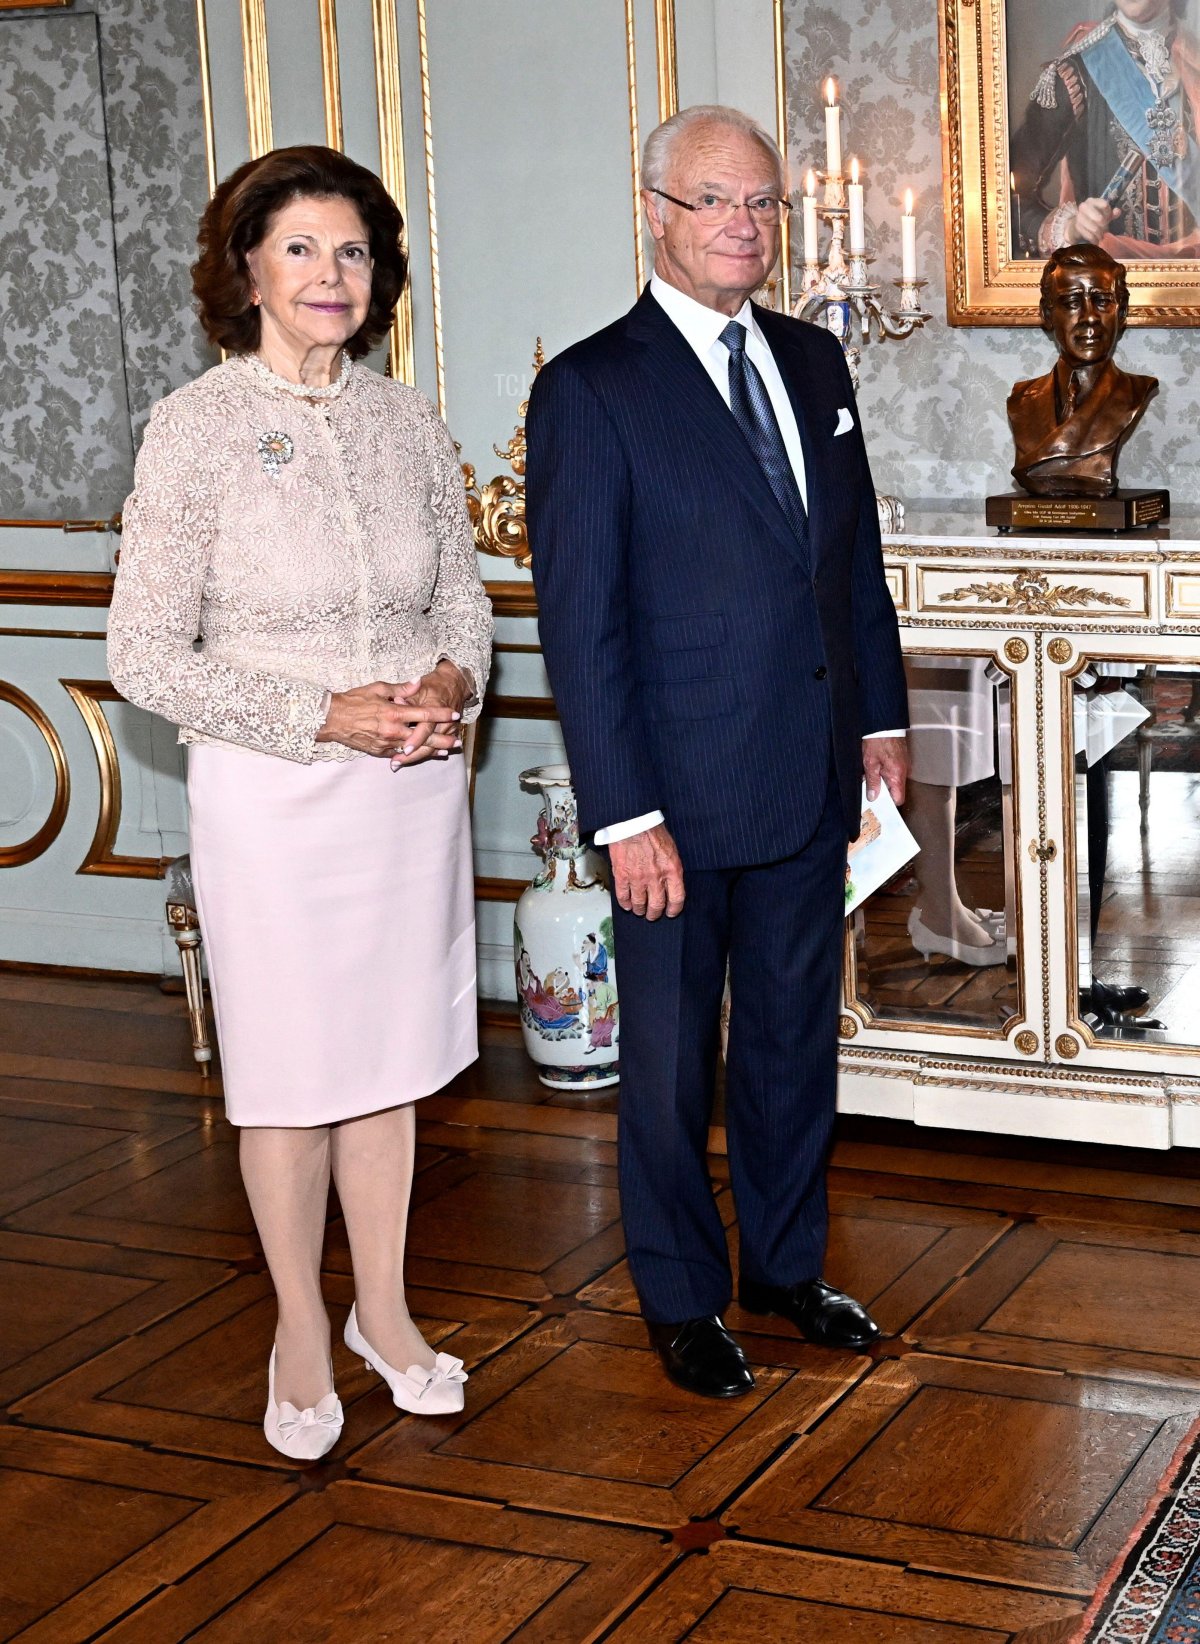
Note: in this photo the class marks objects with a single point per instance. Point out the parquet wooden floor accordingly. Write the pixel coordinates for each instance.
(965, 1484)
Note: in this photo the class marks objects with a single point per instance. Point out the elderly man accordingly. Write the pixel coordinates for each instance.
(720, 639)
(1107, 150)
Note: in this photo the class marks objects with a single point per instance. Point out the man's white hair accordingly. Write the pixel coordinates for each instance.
(664, 141)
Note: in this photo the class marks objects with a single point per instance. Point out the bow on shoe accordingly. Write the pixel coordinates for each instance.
(445, 1369)
(325, 1414)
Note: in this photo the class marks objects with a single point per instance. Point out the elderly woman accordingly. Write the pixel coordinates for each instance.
(298, 591)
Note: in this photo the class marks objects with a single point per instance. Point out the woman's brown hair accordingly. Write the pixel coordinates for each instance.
(235, 221)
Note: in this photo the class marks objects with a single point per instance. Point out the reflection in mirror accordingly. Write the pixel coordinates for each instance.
(937, 944)
(1137, 849)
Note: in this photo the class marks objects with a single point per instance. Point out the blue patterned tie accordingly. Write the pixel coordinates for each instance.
(751, 405)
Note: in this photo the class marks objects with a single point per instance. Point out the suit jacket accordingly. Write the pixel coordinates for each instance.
(1077, 457)
(703, 665)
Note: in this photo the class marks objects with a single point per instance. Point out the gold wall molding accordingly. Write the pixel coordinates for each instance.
(102, 857)
(435, 277)
(519, 707)
(68, 525)
(401, 354)
(635, 145)
(52, 633)
(489, 888)
(210, 136)
(781, 137)
(256, 74)
(56, 587)
(331, 72)
(668, 71)
(512, 599)
(15, 856)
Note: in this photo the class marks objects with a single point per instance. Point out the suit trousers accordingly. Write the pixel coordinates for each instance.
(780, 925)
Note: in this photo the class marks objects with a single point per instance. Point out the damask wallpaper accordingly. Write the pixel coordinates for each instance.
(101, 182)
(152, 105)
(933, 407)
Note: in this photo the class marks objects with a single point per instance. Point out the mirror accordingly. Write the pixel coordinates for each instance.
(1136, 728)
(937, 945)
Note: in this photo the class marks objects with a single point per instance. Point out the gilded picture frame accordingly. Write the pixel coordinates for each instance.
(994, 255)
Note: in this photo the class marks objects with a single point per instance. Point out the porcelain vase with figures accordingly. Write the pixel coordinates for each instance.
(563, 947)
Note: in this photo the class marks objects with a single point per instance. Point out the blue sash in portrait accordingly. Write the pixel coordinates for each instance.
(1130, 97)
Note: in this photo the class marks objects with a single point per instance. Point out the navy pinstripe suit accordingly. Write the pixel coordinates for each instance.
(705, 666)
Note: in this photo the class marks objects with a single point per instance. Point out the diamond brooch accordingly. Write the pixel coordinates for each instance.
(274, 449)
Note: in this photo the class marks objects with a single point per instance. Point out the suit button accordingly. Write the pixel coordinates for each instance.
(818, 673)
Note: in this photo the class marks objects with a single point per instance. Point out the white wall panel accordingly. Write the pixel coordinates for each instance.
(534, 191)
(294, 55)
(231, 137)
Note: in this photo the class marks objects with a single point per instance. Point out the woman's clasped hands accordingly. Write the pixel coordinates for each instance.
(409, 722)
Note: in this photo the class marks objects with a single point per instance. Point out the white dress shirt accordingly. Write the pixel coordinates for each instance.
(702, 328)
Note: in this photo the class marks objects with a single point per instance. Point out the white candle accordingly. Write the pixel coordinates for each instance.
(833, 130)
(812, 244)
(858, 230)
(908, 240)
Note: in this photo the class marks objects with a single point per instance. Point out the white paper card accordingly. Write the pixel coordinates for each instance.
(883, 846)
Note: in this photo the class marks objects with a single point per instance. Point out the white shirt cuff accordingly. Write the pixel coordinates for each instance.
(626, 830)
(873, 736)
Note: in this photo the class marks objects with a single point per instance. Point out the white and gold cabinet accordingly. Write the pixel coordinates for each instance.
(1055, 689)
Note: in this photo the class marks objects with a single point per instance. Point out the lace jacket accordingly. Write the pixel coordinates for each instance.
(277, 547)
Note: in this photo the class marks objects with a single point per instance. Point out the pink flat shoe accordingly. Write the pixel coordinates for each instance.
(304, 1435)
(436, 1392)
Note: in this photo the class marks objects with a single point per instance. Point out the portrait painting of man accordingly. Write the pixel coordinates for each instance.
(1103, 144)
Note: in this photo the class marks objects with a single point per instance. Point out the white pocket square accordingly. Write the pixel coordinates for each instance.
(845, 422)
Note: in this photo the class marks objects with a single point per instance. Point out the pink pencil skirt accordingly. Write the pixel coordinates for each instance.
(337, 907)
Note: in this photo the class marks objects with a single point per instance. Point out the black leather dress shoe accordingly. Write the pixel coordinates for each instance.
(702, 1356)
(821, 1314)
(1107, 996)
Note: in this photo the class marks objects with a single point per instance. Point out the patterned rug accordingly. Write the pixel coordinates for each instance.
(1152, 1593)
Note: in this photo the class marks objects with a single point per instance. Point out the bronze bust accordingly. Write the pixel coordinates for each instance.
(1070, 424)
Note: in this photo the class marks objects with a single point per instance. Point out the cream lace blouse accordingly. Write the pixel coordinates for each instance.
(277, 547)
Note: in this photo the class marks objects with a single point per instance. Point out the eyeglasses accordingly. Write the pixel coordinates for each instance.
(716, 209)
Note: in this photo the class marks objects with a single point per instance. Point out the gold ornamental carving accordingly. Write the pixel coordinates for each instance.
(847, 1026)
(1059, 650)
(497, 508)
(1030, 593)
(15, 856)
(1016, 650)
(102, 857)
(1067, 1046)
(1026, 1042)
(1042, 850)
